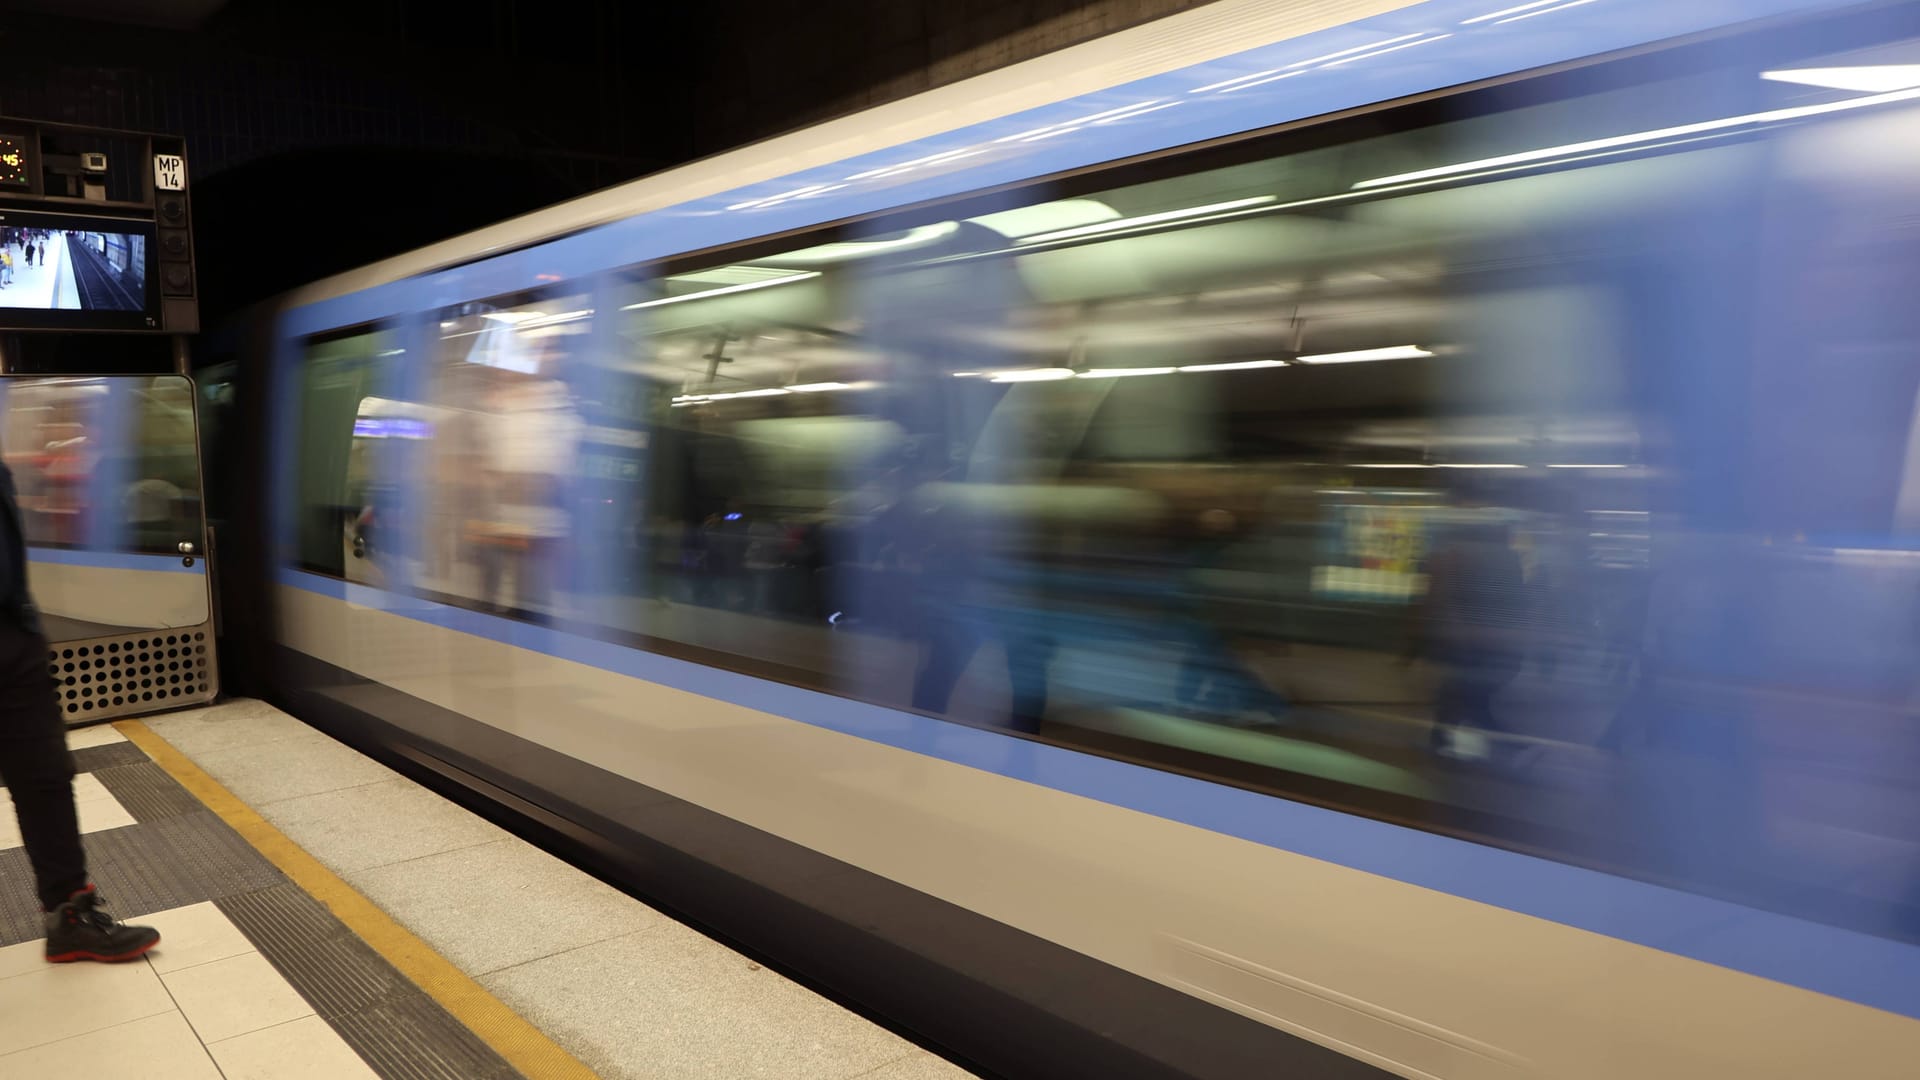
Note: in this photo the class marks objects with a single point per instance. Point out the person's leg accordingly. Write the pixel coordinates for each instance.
(38, 769)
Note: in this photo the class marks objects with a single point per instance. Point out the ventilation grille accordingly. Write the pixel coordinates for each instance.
(130, 674)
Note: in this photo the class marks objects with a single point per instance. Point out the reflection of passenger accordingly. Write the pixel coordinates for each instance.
(533, 450)
(1475, 625)
(950, 570)
(1211, 676)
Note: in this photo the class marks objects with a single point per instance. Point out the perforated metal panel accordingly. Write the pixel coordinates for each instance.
(132, 674)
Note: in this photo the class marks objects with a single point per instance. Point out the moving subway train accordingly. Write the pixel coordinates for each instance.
(1300, 539)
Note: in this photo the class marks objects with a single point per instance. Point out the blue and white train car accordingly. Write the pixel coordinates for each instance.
(1297, 539)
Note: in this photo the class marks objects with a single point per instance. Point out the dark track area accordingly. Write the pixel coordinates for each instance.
(99, 287)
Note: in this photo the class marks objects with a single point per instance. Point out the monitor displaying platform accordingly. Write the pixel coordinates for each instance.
(69, 273)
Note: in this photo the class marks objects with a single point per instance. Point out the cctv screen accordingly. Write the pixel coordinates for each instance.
(72, 270)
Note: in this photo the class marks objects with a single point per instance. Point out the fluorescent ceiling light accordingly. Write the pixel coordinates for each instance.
(822, 387)
(554, 319)
(448, 324)
(1237, 365)
(1615, 466)
(1872, 78)
(1046, 217)
(855, 249)
(1526, 157)
(1045, 374)
(1436, 465)
(1392, 352)
(1147, 219)
(968, 374)
(724, 290)
(1125, 372)
(729, 395)
(511, 317)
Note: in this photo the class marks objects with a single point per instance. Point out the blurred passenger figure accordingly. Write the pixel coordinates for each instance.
(955, 622)
(533, 458)
(1212, 677)
(1474, 623)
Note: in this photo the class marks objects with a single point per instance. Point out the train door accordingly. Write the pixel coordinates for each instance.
(108, 479)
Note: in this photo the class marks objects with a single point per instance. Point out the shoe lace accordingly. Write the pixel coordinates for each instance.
(95, 914)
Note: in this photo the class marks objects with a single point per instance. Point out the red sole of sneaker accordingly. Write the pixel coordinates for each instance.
(118, 958)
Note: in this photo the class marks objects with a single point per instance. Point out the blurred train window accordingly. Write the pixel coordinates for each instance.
(340, 372)
(766, 442)
(502, 417)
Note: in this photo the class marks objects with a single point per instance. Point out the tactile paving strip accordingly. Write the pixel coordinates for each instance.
(174, 862)
(144, 868)
(400, 1032)
(179, 853)
(92, 759)
(19, 910)
(146, 791)
(389, 1034)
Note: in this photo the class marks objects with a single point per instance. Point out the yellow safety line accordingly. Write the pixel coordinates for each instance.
(520, 1043)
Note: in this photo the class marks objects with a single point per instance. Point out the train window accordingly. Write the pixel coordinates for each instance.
(766, 439)
(502, 409)
(334, 500)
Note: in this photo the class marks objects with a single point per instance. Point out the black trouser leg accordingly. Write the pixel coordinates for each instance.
(38, 769)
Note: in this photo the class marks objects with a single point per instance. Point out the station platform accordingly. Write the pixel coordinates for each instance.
(324, 917)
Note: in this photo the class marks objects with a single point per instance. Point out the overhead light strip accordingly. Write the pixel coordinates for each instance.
(1867, 78)
(1551, 153)
(1237, 365)
(1124, 373)
(723, 290)
(1392, 352)
(1162, 217)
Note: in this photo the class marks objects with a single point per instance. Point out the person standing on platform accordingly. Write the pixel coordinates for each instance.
(38, 771)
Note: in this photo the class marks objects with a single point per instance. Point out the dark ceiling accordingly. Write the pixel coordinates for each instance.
(353, 129)
(168, 13)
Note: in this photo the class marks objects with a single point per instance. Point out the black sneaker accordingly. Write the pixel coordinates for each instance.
(79, 930)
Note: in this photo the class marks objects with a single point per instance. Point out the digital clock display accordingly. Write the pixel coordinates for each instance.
(14, 163)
